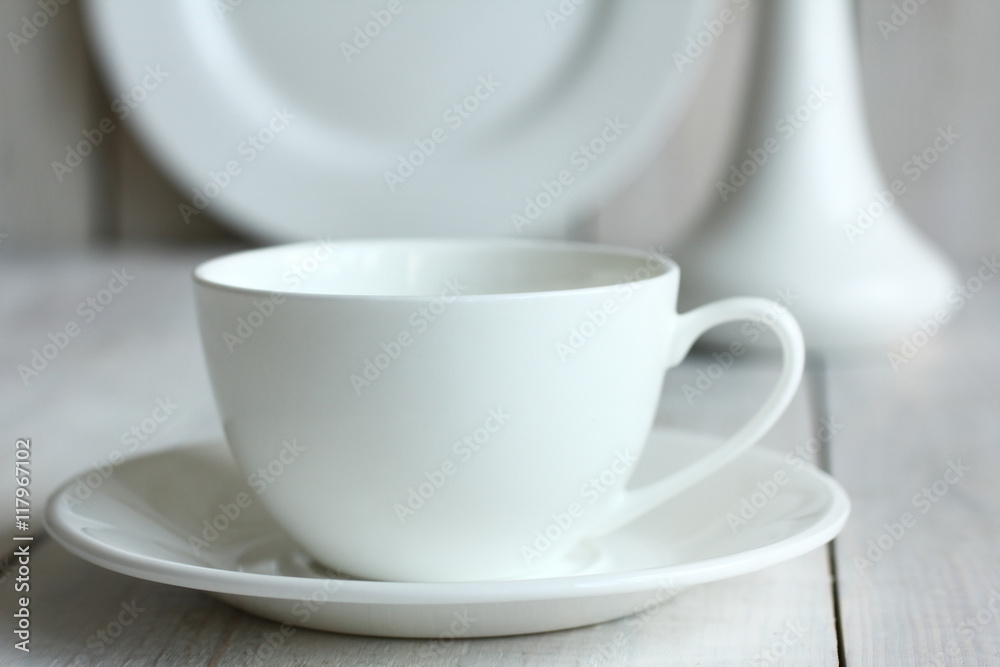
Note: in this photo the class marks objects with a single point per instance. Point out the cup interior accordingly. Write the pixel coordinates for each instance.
(420, 268)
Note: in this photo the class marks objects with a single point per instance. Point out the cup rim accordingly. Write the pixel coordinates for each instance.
(669, 267)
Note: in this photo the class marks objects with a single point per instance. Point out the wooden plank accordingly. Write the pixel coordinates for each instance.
(145, 346)
(919, 561)
(922, 69)
(48, 101)
(147, 203)
(729, 622)
(142, 347)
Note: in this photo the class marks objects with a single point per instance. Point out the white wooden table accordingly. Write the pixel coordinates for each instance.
(929, 595)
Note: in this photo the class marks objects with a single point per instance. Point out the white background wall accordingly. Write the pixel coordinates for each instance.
(940, 68)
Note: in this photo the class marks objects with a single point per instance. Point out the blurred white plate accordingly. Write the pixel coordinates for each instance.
(142, 519)
(362, 84)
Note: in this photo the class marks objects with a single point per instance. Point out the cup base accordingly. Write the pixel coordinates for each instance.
(584, 558)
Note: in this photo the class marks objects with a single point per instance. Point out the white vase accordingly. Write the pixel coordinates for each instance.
(803, 211)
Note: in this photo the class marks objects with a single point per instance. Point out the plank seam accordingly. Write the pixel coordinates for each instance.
(816, 377)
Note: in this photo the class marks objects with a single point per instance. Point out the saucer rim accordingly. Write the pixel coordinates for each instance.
(281, 587)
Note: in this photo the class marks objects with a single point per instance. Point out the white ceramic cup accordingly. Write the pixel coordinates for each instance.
(448, 410)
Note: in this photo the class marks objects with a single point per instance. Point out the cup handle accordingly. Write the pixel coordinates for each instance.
(633, 503)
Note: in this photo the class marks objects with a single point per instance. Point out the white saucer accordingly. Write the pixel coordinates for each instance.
(534, 82)
(138, 522)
